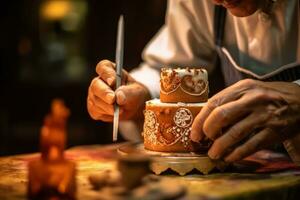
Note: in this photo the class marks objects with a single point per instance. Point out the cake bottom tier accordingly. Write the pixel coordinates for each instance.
(167, 127)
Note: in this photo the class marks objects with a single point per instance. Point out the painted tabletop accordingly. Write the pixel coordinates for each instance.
(265, 175)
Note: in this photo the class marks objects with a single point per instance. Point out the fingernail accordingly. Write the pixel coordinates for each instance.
(213, 156)
(109, 81)
(195, 137)
(121, 97)
(110, 97)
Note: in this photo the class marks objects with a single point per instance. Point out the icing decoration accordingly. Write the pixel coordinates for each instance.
(183, 119)
(150, 126)
(193, 82)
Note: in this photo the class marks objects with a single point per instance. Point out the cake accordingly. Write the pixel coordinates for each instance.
(183, 85)
(168, 120)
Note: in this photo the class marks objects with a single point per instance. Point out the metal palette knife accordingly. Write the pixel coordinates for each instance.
(119, 67)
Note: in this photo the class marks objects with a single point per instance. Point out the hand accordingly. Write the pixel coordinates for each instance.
(247, 117)
(131, 96)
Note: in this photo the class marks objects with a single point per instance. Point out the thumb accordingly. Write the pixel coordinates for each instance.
(121, 94)
(131, 94)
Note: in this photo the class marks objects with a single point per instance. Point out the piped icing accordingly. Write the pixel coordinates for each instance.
(191, 81)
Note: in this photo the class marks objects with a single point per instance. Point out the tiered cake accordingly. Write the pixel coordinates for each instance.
(168, 120)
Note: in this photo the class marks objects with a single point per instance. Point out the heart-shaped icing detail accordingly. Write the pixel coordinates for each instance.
(193, 85)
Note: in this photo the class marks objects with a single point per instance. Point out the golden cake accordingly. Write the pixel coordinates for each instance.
(168, 120)
(183, 85)
(167, 126)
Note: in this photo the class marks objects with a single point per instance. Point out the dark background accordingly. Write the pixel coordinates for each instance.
(44, 57)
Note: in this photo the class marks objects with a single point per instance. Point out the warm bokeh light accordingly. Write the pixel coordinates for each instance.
(55, 9)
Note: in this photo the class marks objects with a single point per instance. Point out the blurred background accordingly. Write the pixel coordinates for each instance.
(49, 49)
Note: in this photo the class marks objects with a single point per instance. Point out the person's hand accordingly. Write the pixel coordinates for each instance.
(247, 117)
(130, 96)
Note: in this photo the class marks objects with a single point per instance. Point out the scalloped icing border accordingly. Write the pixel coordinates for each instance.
(179, 86)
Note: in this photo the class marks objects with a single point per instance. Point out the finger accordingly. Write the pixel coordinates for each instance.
(106, 70)
(121, 96)
(229, 113)
(97, 114)
(103, 91)
(130, 95)
(107, 118)
(234, 91)
(233, 135)
(261, 140)
(196, 132)
(100, 105)
(229, 94)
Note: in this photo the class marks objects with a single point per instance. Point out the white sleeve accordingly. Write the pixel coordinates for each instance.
(186, 39)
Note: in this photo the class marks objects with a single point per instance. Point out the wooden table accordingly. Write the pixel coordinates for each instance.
(276, 177)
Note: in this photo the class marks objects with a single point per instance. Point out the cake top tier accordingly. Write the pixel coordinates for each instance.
(183, 85)
(185, 71)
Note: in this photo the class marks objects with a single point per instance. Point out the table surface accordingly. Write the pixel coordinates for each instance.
(275, 176)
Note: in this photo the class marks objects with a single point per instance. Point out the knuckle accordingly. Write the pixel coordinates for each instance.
(108, 72)
(92, 113)
(212, 103)
(105, 62)
(247, 83)
(221, 114)
(260, 95)
(93, 116)
(102, 65)
(93, 87)
(93, 82)
(235, 133)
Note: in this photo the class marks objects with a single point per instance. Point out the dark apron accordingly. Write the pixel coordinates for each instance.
(230, 73)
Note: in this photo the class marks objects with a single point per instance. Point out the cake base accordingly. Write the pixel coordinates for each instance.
(181, 163)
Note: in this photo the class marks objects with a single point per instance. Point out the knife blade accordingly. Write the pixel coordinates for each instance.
(119, 67)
